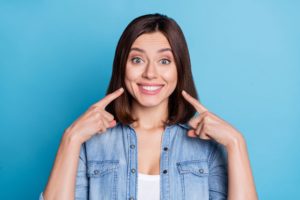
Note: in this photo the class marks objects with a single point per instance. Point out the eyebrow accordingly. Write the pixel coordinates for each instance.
(143, 51)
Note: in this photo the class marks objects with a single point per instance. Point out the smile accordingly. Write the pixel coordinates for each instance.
(150, 89)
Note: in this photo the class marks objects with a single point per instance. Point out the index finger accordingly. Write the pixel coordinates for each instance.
(110, 97)
(197, 105)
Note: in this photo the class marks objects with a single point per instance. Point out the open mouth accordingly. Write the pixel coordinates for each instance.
(150, 89)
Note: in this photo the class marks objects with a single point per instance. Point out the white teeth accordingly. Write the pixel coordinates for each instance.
(151, 88)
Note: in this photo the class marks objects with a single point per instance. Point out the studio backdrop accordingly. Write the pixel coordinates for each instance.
(56, 60)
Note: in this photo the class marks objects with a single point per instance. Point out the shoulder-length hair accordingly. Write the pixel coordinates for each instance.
(180, 111)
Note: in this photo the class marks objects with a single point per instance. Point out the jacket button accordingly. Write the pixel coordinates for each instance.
(96, 171)
(132, 146)
(166, 149)
(133, 171)
(165, 171)
(201, 171)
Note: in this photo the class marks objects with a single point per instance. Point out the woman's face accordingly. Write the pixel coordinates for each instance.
(151, 74)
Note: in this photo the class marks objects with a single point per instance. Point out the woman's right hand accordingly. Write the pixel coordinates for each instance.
(95, 120)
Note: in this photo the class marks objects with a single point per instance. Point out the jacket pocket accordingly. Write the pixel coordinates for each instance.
(103, 178)
(194, 179)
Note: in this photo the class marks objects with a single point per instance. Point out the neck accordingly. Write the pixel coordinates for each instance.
(150, 117)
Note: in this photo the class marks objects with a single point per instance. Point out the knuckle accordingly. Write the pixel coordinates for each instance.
(97, 115)
(98, 108)
(94, 106)
(110, 116)
(92, 109)
(206, 113)
(205, 119)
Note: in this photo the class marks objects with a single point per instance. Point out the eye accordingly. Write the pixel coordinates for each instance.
(165, 61)
(136, 60)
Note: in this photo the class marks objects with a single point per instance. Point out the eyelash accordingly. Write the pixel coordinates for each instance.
(166, 60)
(132, 60)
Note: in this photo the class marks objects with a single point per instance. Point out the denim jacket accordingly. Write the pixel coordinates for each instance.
(190, 168)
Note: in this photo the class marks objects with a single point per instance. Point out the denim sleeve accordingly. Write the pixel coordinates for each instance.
(218, 175)
(41, 196)
(81, 189)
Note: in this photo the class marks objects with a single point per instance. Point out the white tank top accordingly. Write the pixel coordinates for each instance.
(148, 187)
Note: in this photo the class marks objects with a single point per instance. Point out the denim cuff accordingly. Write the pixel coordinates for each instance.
(41, 196)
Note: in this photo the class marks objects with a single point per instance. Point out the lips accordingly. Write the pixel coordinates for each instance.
(150, 89)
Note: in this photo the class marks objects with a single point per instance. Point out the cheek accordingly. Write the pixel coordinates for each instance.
(130, 76)
(128, 82)
(171, 76)
(131, 73)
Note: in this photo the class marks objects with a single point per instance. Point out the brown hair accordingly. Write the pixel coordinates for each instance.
(180, 111)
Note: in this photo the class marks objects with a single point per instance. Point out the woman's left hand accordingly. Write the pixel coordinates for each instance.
(208, 126)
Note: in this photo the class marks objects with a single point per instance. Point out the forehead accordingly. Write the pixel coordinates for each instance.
(155, 40)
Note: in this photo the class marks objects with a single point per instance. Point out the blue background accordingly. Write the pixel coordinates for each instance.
(56, 58)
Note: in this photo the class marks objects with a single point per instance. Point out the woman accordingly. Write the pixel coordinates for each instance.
(143, 140)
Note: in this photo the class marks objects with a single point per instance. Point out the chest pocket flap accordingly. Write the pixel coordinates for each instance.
(100, 168)
(197, 167)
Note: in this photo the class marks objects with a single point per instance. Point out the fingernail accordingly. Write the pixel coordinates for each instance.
(121, 89)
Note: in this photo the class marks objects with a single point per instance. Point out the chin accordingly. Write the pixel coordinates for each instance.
(150, 101)
(149, 104)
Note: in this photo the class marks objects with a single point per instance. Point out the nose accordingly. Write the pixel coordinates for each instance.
(150, 71)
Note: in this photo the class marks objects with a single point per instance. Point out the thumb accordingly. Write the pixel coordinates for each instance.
(192, 133)
(193, 122)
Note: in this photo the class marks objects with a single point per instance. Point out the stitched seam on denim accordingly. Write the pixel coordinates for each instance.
(115, 185)
(212, 190)
(128, 165)
(218, 175)
(182, 186)
(212, 155)
(209, 163)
